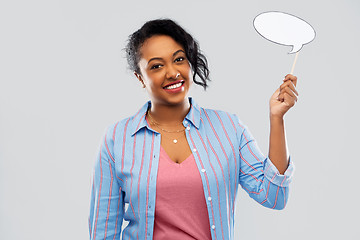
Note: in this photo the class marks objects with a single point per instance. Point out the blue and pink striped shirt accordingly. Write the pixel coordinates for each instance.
(225, 152)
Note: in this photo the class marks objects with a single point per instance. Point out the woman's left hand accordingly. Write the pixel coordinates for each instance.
(284, 97)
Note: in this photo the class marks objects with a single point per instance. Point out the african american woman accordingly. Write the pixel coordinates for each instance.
(172, 169)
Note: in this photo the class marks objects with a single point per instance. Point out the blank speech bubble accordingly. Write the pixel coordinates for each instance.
(284, 29)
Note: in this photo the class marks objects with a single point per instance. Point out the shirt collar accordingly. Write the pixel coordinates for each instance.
(138, 121)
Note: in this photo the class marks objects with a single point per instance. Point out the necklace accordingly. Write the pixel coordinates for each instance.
(158, 125)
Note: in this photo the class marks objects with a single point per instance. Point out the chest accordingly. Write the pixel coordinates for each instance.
(137, 162)
(179, 151)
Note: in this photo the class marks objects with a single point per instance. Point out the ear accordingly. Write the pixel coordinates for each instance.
(139, 77)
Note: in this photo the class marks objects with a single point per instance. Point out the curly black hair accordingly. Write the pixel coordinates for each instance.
(198, 61)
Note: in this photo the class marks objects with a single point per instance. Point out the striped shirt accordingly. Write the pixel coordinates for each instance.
(226, 154)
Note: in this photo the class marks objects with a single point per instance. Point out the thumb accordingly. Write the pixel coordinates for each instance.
(276, 94)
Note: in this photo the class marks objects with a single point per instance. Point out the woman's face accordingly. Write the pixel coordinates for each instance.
(163, 64)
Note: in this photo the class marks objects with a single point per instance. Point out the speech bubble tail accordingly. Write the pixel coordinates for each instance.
(296, 48)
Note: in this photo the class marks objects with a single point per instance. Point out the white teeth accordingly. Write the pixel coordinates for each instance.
(174, 86)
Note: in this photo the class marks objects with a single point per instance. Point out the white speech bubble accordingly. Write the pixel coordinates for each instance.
(285, 29)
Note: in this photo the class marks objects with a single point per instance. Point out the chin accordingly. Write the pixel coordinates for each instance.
(178, 99)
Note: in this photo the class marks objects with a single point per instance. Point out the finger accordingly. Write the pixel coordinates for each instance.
(284, 92)
(292, 78)
(290, 85)
(287, 90)
(281, 97)
(275, 94)
(289, 100)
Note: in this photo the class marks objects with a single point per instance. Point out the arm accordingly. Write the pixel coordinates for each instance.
(281, 101)
(258, 175)
(107, 204)
(267, 181)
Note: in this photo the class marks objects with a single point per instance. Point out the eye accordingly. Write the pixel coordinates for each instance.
(179, 59)
(155, 66)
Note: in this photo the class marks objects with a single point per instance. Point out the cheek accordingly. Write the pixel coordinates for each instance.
(187, 71)
(154, 79)
(190, 75)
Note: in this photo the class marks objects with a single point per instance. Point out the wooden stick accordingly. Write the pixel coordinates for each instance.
(293, 66)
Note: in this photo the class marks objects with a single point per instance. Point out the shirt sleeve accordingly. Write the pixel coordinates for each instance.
(258, 176)
(107, 197)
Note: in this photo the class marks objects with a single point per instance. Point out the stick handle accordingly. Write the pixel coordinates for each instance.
(293, 66)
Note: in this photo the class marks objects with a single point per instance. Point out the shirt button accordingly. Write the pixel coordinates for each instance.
(203, 170)
(194, 150)
(213, 226)
(209, 198)
(187, 128)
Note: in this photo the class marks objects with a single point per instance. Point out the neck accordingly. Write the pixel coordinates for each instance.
(168, 115)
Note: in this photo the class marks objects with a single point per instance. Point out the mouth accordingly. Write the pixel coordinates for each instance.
(174, 85)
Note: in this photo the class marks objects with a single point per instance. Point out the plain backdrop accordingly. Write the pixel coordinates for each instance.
(64, 79)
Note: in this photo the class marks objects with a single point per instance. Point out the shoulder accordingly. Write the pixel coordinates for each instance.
(221, 117)
(209, 112)
(119, 127)
(129, 125)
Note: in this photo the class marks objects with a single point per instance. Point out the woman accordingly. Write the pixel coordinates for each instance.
(176, 165)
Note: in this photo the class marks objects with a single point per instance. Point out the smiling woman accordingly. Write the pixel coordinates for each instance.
(164, 66)
(176, 164)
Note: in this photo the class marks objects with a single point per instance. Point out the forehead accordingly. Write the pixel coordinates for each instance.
(159, 46)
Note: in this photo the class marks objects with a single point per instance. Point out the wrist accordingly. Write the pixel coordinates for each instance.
(276, 118)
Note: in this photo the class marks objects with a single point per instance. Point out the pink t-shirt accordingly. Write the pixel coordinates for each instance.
(180, 207)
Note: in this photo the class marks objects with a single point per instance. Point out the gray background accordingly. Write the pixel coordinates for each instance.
(64, 79)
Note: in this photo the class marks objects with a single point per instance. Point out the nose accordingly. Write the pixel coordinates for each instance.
(172, 73)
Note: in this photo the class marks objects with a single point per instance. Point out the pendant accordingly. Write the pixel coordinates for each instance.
(175, 141)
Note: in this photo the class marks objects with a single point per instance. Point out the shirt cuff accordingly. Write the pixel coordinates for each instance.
(273, 175)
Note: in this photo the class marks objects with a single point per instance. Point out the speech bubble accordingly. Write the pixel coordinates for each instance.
(284, 29)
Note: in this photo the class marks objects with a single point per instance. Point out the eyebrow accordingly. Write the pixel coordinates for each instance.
(158, 58)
